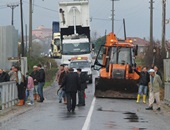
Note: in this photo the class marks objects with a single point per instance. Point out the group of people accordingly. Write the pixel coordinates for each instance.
(29, 85)
(151, 79)
(70, 83)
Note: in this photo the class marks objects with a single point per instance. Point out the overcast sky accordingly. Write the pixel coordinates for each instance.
(135, 12)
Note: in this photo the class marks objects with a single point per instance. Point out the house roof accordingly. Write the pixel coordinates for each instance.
(139, 41)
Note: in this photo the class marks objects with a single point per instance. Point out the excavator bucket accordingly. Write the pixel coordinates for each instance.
(115, 88)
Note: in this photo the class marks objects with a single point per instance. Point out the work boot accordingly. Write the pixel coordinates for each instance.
(35, 96)
(144, 98)
(21, 103)
(149, 108)
(158, 109)
(138, 98)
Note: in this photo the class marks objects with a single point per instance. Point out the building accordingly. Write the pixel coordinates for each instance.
(41, 32)
(8, 45)
(142, 45)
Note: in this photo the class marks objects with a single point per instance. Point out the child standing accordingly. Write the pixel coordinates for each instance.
(30, 89)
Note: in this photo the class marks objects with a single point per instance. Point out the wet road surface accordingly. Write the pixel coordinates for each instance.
(120, 114)
(107, 114)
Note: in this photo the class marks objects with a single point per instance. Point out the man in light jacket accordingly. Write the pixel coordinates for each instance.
(154, 89)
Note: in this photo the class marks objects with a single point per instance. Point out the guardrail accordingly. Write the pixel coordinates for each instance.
(8, 95)
(167, 91)
(167, 80)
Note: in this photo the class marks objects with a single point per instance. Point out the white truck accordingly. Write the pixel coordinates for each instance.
(75, 30)
(84, 64)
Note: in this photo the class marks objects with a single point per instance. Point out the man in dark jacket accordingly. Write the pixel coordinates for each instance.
(72, 84)
(60, 77)
(4, 77)
(41, 82)
(143, 83)
(83, 86)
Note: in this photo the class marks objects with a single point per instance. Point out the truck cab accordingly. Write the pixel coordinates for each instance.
(75, 46)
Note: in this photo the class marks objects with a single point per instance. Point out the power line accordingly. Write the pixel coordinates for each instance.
(42, 7)
(104, 19)
(2, 6)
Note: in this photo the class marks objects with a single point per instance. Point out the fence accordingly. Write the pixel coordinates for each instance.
(8, 95)
(167, 79)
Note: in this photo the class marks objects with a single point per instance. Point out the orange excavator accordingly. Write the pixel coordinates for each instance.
(115, 61)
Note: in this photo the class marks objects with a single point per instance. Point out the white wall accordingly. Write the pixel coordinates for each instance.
(8, 45)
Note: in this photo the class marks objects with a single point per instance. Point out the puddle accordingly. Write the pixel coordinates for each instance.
(132, 117)
(139, 129)
(101, 109)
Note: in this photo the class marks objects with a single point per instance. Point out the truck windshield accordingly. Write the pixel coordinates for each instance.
(80, 64)
(76, 48)
(56, 41)
(120, 55)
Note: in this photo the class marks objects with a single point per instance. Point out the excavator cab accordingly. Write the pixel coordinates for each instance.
(115, 60)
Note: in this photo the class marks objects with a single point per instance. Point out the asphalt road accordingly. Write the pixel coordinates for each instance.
(98, 114)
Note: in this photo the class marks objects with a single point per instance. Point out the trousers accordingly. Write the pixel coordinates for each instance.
(71, 100)
(152, 96)
(81, 97)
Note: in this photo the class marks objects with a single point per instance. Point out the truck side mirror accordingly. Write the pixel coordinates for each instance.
(135, 50)
(93, 46)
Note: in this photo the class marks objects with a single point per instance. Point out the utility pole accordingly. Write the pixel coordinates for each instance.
(26, 39)
(12, 6)
(30, 27)
(151, 23)
(163, 23)
(113, 10)
(22, 32)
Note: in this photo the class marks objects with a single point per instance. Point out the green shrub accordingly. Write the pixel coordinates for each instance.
(49, 65)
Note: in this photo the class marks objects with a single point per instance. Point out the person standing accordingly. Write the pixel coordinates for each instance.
(157, 71)
(143, 84)
(4, 77)
(41, 82)
(59, 79)
(71, 84)
(34, 75)
(12, 74)
(154, 90)
(30, 89)
(64, 94)
(83, 86)
(20, 82)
